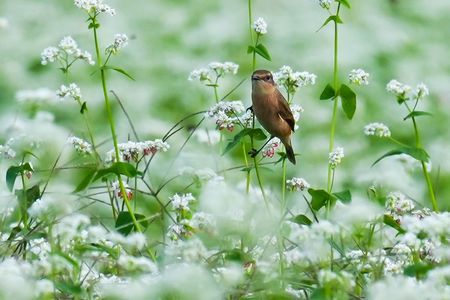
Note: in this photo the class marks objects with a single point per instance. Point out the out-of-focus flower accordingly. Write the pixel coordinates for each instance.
(80, 145)
(41, 95)
(397, 204)
(296, 112)
(94, 7)
(377, 129)
(335, 157)
(3, 23)
(6, 150)
(260, 26)
(120, 41)
(206, 136)
(359, 77)
(421, 91)
(297, 184)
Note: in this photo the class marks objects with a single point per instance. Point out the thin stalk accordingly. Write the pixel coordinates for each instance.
(250, 20)
(113, 130)
(244, 152)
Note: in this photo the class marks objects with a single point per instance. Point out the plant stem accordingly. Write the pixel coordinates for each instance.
(247, 185)
(250, 19)
(335, 105)
(113, 130)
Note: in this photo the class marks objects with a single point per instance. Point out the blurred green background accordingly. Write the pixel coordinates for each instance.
(405, 39)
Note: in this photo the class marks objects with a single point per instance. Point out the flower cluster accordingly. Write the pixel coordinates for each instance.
(226, 114)
(377, 129)
(40, 95)
(181, 202)
(271, 147)
(297, 184)
(359, 77)
(335, 157)
(67, 49)
(397, 205)
(135, 151)
(296, 112)
(80, 145)
(213, 72)
(260, 26)
(117, 191)
(72, 91)
(291, 80)
(120, 41)
(404, 92)
(94, 7)
(6, 150)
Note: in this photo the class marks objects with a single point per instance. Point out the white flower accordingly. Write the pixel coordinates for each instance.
(359, 77)
(269, 149)
(69, 45)
(224, 68)
(49, 54)
(181, 202)
(95, 7)
(291, 80)
(6, 150)
(335, 157)
(398, 204)
(86, 56)
(48, 207)
(40, 95)
(72, 91)
(325, 3)
(142, 264)
(377, 129)
(120, 41)
(297, 184)
(213, 71)
(226, 113)
(134, 151)
(296, 112)
(397, 88)
(115, 186)
(421, 91)
(260, 26)
(200, 74)
(80, 145)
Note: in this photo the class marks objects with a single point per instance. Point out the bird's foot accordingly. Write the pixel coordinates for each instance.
(253, 152)
(249, 109)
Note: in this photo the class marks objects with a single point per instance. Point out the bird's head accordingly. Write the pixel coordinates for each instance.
(262, 82)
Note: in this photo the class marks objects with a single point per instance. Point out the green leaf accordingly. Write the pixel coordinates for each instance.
(124, 222)
(344, 196)
(86, 181)
(333, 18)
(418, 269)
(263, 52)
(389, 220)
(93, 25)
(328, 93)
(13, 171)
(320, 198)
(28, 198)
(250, 49)
(348, 100)
(417, 113)
(68, 288)
(345, 3)
(318, 294)
(83, 107)
(416, 153)
(301, 220)
(122, 71)
(257, 134)
(118, 168)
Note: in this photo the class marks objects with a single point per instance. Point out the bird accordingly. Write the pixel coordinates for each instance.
(272, 111)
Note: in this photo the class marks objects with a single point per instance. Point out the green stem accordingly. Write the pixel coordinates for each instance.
(283, 188)
(247, 185)
(113, 130)
(254, 53)
(250, 20)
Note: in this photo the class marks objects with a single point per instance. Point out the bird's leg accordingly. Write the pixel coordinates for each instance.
(249, 109)
(255, 152)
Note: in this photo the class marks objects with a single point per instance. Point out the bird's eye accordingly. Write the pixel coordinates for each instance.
(267, 77)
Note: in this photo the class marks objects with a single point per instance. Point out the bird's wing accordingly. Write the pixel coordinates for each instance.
(285, 111)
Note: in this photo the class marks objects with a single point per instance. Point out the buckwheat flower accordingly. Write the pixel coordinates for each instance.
(377, 129)
(40, 95)
(134, 151)
(223, 68)
(7, 152)
(80, 145)
(398, 204)
(296, 112)
(68, 44)
(200, 74)
(120, 41)
(271, 147)
(397, 88)
(132, 264)
(181, 202)
(44, 287)
(72, 91)
(260, 26)
(291, 80)
(48, 207)
(49, 54)
(225, 113)
(93, 7)
(297, 184)
(151, 147)
(325, 3)
(115, 186)
(359, 77)
(421, 91)
(86, 56)
(246, 118)
(335, 157)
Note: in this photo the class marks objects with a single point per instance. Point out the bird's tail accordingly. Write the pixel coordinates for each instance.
(289, 151)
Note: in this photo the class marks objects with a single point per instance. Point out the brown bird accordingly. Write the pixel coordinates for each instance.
(272, 110)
